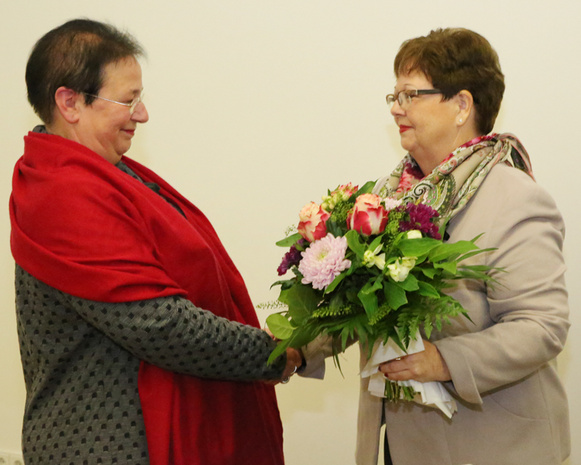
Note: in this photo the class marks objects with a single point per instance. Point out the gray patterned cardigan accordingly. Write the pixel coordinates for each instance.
(81, 359)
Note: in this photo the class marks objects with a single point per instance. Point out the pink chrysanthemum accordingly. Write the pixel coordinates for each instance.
(323, 261)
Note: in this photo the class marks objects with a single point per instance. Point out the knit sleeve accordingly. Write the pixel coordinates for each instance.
(172, 333)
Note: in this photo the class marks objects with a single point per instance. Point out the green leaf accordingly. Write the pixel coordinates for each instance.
(346, 334)
(429, 272)
(428, 326)
(482, 269)
(301, 301)
(302, 336)
(289, 241)
(354, 243)
(279, 326)
(450, 267)
(365, 189)
(396, 337)
(468, 273)
(368, 297)
(475, 252)
(418, 247)
(285, 283)
(395, 295)
(448, 250)
(375, 243)
(427, 290)
(334, 228)
(277, 352)
(331, 287)
(409, 284)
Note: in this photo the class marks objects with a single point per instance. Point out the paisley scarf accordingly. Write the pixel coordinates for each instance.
(449, 187)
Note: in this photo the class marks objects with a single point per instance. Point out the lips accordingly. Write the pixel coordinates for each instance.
(403, 128)
(130, 132)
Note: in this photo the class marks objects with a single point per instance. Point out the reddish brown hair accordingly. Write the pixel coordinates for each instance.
(455, 60)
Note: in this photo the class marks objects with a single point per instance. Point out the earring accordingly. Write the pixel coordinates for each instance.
(460, 121)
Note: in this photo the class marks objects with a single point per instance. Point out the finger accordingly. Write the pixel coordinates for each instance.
(394, 366)
(404, 375)
(290, 369)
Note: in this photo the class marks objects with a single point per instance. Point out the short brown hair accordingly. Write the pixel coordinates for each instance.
(456, 59)
(74, 55)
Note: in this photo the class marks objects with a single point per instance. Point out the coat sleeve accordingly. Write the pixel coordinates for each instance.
(520, 322)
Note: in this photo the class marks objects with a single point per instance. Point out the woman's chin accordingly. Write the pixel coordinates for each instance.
(406, 144)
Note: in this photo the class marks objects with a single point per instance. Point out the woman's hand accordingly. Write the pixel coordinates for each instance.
(424, 366)
(294, 360)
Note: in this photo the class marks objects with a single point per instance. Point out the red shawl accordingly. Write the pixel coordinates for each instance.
(82, 226)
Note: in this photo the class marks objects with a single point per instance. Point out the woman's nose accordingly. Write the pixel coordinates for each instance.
(396, 109)
(140, 114)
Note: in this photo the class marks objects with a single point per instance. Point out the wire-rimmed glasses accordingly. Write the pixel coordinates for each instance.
(131, 105)
(404, 97)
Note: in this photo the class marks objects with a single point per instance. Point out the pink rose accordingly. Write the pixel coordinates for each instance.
(368, 215)
(312, 222)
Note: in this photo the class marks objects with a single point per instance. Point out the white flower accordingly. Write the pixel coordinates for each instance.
(400, 269)
(371, 258)
(391, 203)
(414, 234)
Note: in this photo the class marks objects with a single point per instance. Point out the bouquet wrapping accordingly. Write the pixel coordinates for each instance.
(372, 270)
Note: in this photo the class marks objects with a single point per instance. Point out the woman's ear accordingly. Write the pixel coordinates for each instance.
(465, 103)
(67, 104)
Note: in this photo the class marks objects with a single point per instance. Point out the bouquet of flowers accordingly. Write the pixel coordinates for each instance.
(368, 269)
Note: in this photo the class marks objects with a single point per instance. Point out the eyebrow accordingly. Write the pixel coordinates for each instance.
(395, 91)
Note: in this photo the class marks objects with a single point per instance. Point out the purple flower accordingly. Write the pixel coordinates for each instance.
(421, 219)
(323, 261)
(290, 259)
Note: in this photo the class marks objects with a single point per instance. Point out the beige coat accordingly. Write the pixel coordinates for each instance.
(512, 408)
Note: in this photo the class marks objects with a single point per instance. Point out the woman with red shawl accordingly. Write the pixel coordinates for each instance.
(139, 341)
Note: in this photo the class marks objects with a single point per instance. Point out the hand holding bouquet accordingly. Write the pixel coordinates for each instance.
(368, 269)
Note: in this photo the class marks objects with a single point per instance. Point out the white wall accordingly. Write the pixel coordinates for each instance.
(259, 106)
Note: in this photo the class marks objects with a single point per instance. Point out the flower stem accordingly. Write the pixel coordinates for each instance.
(395, 391)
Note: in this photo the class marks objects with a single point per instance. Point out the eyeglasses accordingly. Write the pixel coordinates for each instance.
(131, 105)
(404, 97)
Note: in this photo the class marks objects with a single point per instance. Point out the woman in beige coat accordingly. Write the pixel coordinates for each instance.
(501, 367)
